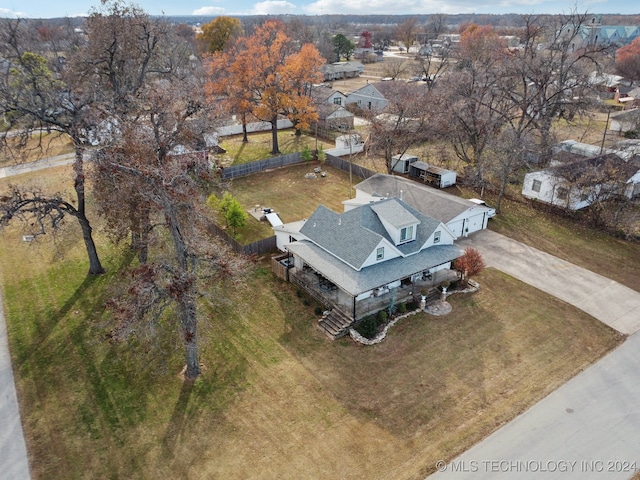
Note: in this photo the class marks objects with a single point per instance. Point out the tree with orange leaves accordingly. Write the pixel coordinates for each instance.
(480, 43)
(628, 60)
(469, 264)
(269, 76)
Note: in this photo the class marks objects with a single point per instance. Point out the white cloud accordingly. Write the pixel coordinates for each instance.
(272, 7)
(209, 11)
(6, 13)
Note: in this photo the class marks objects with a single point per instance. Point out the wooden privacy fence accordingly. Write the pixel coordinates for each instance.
(260, 165)
(260, 247)
(357, 170)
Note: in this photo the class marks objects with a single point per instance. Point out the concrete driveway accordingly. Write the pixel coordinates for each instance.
(587, 429)
(608, 301)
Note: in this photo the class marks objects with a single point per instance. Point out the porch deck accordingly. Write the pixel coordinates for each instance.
(332, 296)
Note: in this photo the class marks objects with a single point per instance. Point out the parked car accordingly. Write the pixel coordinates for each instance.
(477, 201)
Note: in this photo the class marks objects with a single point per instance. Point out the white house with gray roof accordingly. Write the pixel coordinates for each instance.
(461, 216)
(347, 259)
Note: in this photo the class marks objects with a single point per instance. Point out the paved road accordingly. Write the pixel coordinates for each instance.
(590, 427)
(38, 165)
(608, 301)
(14, 464)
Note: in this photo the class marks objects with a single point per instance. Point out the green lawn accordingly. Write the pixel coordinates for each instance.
(277, 399)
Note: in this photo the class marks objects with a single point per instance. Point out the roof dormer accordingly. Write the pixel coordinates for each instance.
(400, 223)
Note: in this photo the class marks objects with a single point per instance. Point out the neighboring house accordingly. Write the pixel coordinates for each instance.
(461, 216)
(367, 98)
(605, 83)
(341, 70)
(335, 117)
(361, 260)
(577, 185)
(595, 34)
(622, 93)
(625, 121)
(322, 94)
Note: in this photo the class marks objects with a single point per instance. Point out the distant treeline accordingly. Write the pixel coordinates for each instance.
(333, 21)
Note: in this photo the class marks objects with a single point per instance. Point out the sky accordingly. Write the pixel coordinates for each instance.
(72, 8)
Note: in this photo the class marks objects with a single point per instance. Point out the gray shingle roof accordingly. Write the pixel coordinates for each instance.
(356, 282)
(394, 213)
(429, 201)
(352, 236)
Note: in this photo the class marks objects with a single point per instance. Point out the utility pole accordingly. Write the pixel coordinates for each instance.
(604, 134)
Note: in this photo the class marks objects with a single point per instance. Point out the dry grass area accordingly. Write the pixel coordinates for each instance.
(260, 145)
(277, 399)
(38, 147)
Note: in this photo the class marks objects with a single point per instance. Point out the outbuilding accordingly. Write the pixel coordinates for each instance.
(434, 176)
(402, 162)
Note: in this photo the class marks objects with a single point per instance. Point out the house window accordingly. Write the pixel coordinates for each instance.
(380, 253)
(406, 234)
(436, 237)
(359, 103)
(337, 101)
(562, 193)
(536, 186)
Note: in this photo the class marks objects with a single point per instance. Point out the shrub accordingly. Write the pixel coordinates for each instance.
(318, 310)
(402, 308)
(306, 153)
(412, 305)
(382, 317)
(368, 326)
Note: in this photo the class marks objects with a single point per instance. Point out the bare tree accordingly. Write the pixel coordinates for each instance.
(406, 121)
(406, 32)
(394, 68)
(38, 95)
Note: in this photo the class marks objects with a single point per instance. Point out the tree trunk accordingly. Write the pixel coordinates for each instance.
(95, 267)
(245, 136)
(188, 321)
(274, 135)
(185, 298)
(140, 234)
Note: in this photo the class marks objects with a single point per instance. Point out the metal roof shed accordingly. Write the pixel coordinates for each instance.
(436, 176)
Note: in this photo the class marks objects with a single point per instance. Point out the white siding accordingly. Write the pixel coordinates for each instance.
(389, 253)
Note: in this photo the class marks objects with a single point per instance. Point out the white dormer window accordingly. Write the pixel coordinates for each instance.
(436, 237)
(406, 234)
(380, 253)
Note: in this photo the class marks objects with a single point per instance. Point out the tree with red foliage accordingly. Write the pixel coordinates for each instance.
(365, 39)
(628, 60)
(469, 264)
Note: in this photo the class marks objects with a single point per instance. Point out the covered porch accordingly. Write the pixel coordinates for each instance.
(332, 296)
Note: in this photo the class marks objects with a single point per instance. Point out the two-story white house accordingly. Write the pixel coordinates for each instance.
(361, 260)
(367, 97)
